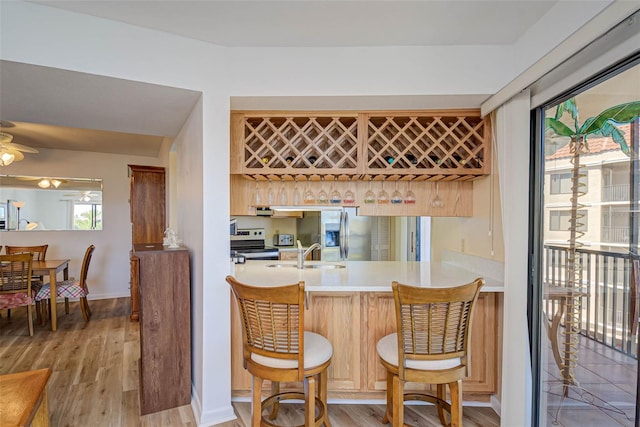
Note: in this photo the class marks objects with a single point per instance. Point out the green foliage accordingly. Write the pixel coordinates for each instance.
(604, 124)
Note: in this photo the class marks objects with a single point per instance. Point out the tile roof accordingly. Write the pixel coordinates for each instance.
(597, 145)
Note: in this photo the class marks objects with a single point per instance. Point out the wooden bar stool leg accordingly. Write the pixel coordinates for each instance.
(442, 394)
(310, 401)
(455, 388)
(388, 414)
(256, 402)
(323, 378)
(275, 389)
(398, 402)
(66, 306)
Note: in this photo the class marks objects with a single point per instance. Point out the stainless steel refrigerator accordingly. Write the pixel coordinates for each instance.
(345, 235)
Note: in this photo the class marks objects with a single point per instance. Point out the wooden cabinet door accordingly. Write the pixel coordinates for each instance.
(484, 346)
(147, 202)
(336, 316)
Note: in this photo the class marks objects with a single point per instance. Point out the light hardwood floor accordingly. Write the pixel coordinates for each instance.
(95, 375)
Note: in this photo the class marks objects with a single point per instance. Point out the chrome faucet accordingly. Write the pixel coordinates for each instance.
(302, 254)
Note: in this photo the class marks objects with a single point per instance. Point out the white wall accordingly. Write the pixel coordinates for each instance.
(109, 272)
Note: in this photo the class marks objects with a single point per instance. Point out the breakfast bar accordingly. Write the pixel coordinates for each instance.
(351, 304)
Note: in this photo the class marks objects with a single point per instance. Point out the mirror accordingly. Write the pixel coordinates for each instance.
(50, 203)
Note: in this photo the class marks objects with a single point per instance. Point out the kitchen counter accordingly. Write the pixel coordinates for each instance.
(360, 276)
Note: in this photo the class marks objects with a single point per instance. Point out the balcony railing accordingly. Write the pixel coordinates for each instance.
(615, 193)
(606, 280)
(615, 234)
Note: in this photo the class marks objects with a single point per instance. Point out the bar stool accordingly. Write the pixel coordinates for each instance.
(277, 348)
(432, 345)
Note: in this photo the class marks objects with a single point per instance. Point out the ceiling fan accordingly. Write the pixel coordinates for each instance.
(82, 196)
(10, 152)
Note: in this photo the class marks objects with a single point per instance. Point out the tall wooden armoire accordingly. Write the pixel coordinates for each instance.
(148, 217)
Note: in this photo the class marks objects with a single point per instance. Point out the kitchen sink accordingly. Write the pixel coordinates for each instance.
(313, 266)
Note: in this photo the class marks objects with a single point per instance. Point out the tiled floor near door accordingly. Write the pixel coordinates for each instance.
(605, 377)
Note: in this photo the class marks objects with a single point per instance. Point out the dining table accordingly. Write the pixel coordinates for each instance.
(51, 268)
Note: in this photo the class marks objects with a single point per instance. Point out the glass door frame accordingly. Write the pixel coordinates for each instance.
(536, 242)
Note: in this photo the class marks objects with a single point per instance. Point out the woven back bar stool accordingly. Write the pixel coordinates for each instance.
(276, 347)
(431, 346)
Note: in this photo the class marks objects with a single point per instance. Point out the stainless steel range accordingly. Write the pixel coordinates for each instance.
(249, 242)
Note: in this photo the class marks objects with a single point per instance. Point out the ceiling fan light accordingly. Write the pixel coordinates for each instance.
(6, 159)
(56, 182)
(44, 183)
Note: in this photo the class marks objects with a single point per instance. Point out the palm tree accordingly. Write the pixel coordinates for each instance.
(604, 124)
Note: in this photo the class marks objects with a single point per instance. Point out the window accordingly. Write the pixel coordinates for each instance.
(559, 220)
(561, 183)
(87, 216)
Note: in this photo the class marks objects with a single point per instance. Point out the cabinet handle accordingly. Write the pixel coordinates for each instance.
(306, 300)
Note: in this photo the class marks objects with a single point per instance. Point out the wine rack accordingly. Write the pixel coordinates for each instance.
(300, 144)
(455, 144)
(450, 145)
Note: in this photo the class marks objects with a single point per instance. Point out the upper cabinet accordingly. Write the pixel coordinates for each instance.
(452, 145)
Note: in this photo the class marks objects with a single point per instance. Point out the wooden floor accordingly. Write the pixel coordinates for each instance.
(95, 375)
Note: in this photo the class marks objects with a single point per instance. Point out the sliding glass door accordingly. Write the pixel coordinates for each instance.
(586, 193)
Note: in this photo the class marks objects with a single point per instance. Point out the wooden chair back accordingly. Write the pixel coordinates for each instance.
(272, 321)
(84, 271)
(39, 252)
(434, 323)
(15, 274)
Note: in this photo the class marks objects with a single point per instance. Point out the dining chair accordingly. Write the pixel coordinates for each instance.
(15, 283)
(431, 346)
(39, 254)
(72, 288)
(276, 347)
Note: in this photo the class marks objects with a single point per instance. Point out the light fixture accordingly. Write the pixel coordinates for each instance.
(10, 151)
(30, 225)
(49, 182)
(6, 158)
(18, 205)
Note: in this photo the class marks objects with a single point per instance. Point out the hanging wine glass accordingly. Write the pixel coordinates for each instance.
(257, 195)
(309, 197)
(349, 196)
(335, 198)
(383, 196)
(283, 199)
(409, 197)
(369, 196)
(437, 201)
(323, 197)
(396, 196)
(271, 195)
(297, 197)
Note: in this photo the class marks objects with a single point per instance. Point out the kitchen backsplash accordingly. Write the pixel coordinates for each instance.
(481, 266)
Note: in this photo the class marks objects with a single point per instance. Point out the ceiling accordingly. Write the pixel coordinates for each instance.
(308, 23)
(51, 108)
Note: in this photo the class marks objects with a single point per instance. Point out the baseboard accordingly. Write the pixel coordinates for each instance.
(210, 418)
(496, 404)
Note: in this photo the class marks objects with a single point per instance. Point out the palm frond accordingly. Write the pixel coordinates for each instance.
(623, 113)
(558, 127)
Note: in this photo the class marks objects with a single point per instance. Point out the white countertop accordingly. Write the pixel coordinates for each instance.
(360, 276)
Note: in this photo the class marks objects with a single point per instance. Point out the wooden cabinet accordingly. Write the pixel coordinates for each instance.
(354, 322)
(147, 210)
(165, 318)
(434, 152)
(451, 144)
(147, 203)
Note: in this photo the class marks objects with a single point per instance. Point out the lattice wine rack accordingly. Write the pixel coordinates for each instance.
(451, 145)
(448, 144)
(303, 143)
